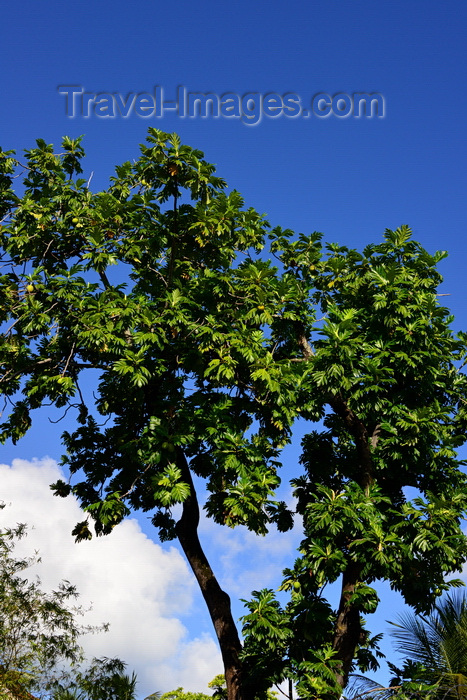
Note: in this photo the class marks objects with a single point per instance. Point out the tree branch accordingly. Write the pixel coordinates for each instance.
(359, 432)
(305, 345)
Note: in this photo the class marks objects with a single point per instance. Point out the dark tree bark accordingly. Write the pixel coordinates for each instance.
(348, 629)
(217, 601)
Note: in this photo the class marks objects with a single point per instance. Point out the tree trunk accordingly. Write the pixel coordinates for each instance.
(217, 601)
(348, 628)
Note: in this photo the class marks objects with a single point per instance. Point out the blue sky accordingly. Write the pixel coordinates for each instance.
(349, 178)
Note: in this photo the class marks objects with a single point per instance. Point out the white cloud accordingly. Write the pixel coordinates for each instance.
(132, 582)
(205, 662)
(158, 622)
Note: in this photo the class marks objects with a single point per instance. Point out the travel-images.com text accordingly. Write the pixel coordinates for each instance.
(250, 108)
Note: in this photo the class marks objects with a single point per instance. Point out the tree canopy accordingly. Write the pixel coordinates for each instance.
(202, 353)
(37, 630)
(40, 652)
(382, 372)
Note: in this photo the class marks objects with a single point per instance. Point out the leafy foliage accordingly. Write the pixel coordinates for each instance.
(37, 630)
(434, 651)
(218, 685)
(181, 694)
(104, 679)
(203, 354)
(171, 335)
(137, 285)
(381, 370)
(40, 654)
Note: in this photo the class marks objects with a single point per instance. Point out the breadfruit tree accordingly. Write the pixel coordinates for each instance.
(151, 309)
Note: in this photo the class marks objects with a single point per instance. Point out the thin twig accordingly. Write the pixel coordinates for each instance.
(68, 359)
